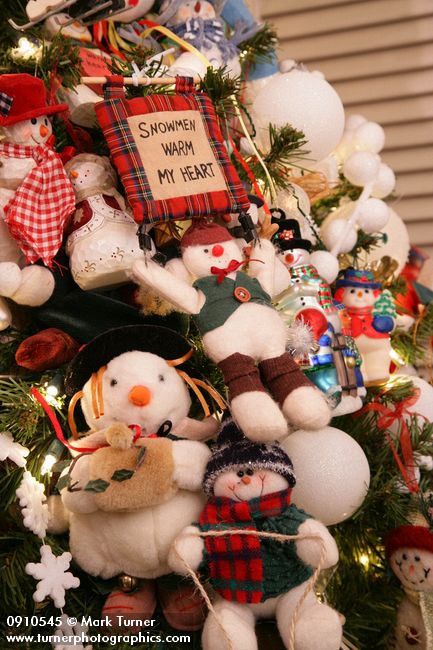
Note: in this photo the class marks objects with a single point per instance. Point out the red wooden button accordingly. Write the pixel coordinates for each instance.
(241, 294)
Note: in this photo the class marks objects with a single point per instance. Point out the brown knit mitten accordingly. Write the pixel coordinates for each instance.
(282, 375)
(241, 374)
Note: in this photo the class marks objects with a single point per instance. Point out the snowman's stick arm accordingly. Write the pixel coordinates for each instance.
(167, 285)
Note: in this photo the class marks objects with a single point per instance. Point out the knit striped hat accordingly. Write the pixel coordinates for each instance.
(234, 451)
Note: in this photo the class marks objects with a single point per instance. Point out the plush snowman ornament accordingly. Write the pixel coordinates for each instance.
(196, 22)
(248, 487)
(409, 550)
(146, 483)
(240, 329)
(373, 318)
(102, 243)
(35, 194)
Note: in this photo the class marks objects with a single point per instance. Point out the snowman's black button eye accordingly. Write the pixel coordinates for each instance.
(250, 472)
(161, 377)
(46, 121)
(206, 250)
(367, 291)
(240, 473)
(404, 556)
(33, 120)
(113, 382)
(352, 291)
(417, 559)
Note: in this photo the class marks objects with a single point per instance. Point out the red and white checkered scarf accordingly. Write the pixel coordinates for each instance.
(36, 214)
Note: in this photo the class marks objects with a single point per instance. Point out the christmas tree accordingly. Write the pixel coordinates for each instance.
(324, 194)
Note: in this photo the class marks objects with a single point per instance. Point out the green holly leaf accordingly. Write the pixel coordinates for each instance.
(122, 474)
(98, 485)
(64, 481)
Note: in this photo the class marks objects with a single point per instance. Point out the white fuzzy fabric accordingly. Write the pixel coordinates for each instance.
(307, 407)
(188, 454)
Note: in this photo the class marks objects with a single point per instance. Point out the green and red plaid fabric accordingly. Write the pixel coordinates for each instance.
(112, 115)
(235, 561)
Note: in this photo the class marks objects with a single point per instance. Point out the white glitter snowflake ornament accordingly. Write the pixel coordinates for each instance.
(12, 450)
(53, 577)
(32, 498)
(70, 631)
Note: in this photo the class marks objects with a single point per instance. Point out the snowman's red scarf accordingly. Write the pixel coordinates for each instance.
(41, 205)
(235, 561)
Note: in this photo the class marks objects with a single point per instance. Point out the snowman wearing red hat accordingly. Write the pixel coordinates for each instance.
(242, 332)
(36, 196)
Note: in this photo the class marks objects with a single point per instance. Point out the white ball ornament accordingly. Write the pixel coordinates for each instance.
(397, 244)
(332, 231)
(305, 101)
(369, 136)
(384, 183)
(326, 264)
(354, 121)
(332, 473)
(361, 167)
(373, 216)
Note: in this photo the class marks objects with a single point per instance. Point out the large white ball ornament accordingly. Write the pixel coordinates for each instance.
(326, 264)
(361, 167)
(305, 101)
(332, 473)
(332, 231)
(374, 215)
(370, 136)
(384, 183)
(397, 244)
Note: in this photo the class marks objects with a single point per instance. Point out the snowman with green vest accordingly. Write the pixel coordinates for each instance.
(242, 332)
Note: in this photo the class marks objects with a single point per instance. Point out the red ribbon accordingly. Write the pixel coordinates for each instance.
(234, 265)
(387, 417)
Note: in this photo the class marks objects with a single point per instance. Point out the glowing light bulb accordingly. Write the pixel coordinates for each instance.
(48, 464)
(364, 560)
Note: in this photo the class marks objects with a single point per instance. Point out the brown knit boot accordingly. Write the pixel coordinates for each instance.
(282, 375)
(301, 402)
(253, 409)
(241, 374)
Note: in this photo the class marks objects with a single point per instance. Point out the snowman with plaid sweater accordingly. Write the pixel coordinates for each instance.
(249, 487)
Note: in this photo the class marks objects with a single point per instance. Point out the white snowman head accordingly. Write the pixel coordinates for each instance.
(176, 12)
(242, 470)
(135, 387)
(294, 257)
(208, 245)
(88, 171)
(410, 553)
(356, 296)
(292, 249)
(30, 133)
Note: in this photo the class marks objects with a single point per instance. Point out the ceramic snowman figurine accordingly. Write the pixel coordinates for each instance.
(409, 550)
(133, 399)
(102, 239)
(373, 317)
(240, 329)
(248, 486)
(35, 194)
(196, 22)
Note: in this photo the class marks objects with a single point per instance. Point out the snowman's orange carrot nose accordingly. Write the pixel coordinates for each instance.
(246, 480)
(140, 395)
(43, 130)
(73, 173)
(360, 294)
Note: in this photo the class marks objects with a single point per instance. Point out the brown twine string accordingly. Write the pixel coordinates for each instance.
(278, 537)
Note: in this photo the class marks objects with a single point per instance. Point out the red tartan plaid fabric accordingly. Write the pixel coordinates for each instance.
(112, 115)
(41, 205)
(235, 561)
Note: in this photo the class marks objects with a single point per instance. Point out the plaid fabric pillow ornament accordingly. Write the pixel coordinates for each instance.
(170, 154)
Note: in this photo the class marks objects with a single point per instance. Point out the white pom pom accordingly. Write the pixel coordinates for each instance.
(354, 121)
(332, 232)
(300, 338)
(326, 265)
(373, 216)
(384, 183)
(361, 167)
(369, 137)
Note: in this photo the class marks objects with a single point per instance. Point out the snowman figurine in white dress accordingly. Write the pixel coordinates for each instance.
(35, 194)
(102, 243)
